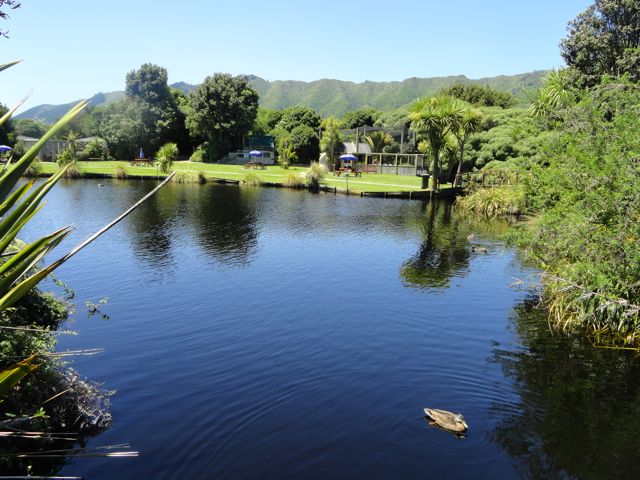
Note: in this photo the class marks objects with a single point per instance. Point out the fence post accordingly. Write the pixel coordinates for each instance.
(396, 164)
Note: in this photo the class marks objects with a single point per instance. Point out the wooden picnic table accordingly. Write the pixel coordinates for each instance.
(142, 161)
(255, 165)
(340, 171)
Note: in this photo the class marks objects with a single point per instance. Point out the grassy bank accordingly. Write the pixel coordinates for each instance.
(369, 182)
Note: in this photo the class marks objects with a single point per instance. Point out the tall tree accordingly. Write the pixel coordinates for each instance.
(359, 118)
(604, 40)
(221, 110)
(293, 117)
(435, 117)
(156, 106)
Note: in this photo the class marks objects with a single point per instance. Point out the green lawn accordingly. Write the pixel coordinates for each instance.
(369, 182)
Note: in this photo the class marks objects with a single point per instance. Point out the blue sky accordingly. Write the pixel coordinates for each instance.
(76, 48)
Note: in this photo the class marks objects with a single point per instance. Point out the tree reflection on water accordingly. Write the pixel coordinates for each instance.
(578, 415)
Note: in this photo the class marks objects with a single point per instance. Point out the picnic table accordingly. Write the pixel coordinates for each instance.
(142, 161)
(255, 166)
(341, 171)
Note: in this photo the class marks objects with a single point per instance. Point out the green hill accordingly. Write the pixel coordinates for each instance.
(335, 97)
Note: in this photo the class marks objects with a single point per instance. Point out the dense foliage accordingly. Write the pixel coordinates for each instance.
(604, 40)
(220, 111)
(480, 95)
(587, 190)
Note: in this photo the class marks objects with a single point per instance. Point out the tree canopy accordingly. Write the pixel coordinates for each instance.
(604, 40)
(480, 95)
(220, 111)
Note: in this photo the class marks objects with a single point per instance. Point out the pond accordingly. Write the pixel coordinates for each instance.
(265, 333)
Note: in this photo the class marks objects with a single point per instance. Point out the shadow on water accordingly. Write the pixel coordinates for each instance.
(579, 410)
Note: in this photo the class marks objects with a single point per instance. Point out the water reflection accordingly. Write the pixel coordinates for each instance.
(579, 409)
(444, 250)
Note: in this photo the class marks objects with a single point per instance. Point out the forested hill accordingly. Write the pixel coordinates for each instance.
(334, 97)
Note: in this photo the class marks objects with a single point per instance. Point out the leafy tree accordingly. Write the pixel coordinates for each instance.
(331, 138)
(221, 110)
(480, 95)
(393, 120)
(293, 117)
(121, 125)
(358, 118)
(435, 117)
(604, 40)
(266, 121)
(304, 143)
(30, 128)
(166, 155)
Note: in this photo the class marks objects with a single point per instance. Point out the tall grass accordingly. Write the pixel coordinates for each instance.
(315, 174)
(294, 180)
(121, 171)
(251, 179)
(189, 177)
(494, 202)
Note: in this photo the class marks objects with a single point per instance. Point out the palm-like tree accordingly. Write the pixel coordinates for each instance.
(166, 155)
(378, 140)
(554, 94)
(469, 121)
(72, 140)
(435, 117)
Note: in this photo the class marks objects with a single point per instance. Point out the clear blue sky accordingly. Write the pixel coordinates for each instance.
(75, 48)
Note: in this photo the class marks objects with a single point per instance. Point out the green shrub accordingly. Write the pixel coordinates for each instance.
(315, 174)
(189, 177)
(494, 202)
(34, 169)
(198, 155)
(294, 180)
(65, 157)
(121, 172)
(251, 179)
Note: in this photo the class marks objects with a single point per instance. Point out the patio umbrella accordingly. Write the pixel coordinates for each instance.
(348, 157)
(141, 153)
(255, 153)
(4, 148)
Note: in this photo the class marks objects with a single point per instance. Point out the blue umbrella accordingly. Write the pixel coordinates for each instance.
(141, 153)
(255, 153)
(348, 157)
(4, 148)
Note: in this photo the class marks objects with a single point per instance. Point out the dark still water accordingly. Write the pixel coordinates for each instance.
(270, 334)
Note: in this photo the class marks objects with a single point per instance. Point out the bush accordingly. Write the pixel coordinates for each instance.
(198, 155)
(494, 202)
(121, 172)
(315, 174)
(96, 149)
(34, 169)
(189, 177)
(65, 157)
(294, 180)
(251, 179)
